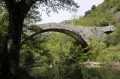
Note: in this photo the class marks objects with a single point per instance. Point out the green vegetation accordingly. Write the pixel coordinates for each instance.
(107, 13)
(103, 15)
(3, 29)
(96, 19)
(41, 53)
(71, 72)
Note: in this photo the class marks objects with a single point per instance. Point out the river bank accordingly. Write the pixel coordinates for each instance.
(101, 64)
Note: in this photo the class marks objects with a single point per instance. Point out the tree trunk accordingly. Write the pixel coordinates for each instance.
(10, 60)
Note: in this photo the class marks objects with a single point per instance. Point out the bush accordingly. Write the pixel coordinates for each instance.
(111, 54)
(93, 7)
(96, 47)
(87, 12)
(114, 38)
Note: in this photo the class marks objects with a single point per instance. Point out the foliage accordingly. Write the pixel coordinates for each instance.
(75, 54)
(33, 15)
(114, 38)
(34, 53)
(103, 17)
(51, 49)
(3, 27)
(30, 56)
(59, 47)
(93, 7)
(96, 48)
(3, 30)
(100, 16)
(3, 23)
(96, 19)
(63, 49)
(111, 54)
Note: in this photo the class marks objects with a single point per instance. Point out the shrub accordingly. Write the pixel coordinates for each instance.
(96, 47)
(93, 7)
(114, 38)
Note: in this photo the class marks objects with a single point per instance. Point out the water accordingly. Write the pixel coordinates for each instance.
(74, 72)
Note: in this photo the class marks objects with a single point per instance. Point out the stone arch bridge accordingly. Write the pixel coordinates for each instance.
(80, 33)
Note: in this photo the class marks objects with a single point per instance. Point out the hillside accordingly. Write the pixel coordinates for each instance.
(107, 13)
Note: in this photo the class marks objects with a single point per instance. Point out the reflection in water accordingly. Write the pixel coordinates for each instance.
(74, 72)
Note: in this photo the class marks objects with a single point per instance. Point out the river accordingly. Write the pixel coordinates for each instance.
(74, 72)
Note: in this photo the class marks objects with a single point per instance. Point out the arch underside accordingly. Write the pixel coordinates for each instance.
(68, 32)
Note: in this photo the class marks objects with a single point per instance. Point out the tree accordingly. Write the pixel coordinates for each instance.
(93, 7)
(3, 28)
(17, 10)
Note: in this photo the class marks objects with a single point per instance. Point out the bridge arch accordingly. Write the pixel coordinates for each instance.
(68, 32)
